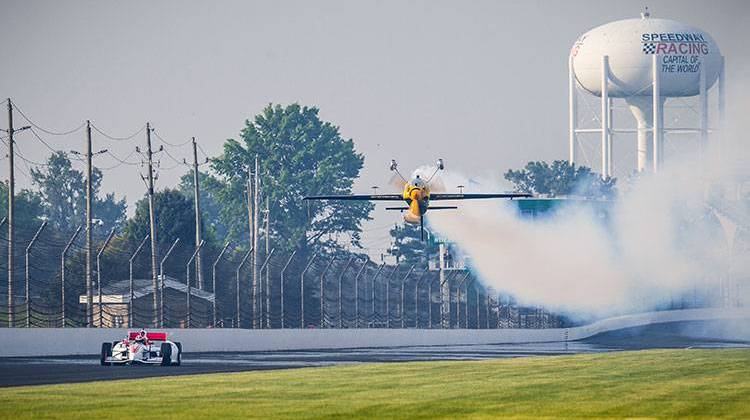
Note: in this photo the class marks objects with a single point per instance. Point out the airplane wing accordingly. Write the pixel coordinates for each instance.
(360, 197)
(443, 196)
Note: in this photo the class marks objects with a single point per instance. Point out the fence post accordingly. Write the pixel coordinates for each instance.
(356, 294)
(62, 272)
(429, 307)
(458, 300)
(341, 297)
(187, 281)
(476, 290)
(487, 310)
(161, 282)
(445, 318)
(403, 283)
(302, 292)
(99, 275)
(28, 249)
(388, 297)
(416, 297)
(466, 282)
(130, 271)
(281, 284)
(322, 292)
(466, 305)
(213, 278)
(268, 299)
(237, 284)
(372, 291)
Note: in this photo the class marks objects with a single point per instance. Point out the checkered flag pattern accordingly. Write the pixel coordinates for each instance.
(649, 48)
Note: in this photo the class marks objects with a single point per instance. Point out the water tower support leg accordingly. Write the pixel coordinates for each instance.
(722, 91)
(610, 139)
(658, 114)
(703, 111)
(572, 112)
(605, 115)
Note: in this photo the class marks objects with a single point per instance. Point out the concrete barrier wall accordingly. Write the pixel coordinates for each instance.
(658, 317)
(84, 341)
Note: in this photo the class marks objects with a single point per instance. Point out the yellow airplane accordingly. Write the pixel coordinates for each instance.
(417, 194)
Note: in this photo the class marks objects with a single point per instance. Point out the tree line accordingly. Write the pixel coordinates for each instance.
(299, 154)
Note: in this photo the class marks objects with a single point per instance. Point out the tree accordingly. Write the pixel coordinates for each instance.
(408, 246)
(210, 186)
(28, 207)
(175, 218)
(561, 179)
(300, 155)
(63, 192)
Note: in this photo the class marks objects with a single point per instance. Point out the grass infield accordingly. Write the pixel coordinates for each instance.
(654, 383)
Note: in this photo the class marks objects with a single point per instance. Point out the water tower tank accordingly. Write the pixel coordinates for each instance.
(684, 50)
(624, 52)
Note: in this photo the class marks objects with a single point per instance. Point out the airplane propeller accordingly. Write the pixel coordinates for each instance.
(397, 181)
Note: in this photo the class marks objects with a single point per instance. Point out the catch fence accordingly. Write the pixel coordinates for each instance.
(237, 288)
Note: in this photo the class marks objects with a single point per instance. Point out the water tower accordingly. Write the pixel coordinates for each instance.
(643, 61)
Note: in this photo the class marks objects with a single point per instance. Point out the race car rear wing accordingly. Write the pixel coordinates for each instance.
(153, 336)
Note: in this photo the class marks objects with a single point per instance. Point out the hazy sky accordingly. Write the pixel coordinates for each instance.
(482, 84)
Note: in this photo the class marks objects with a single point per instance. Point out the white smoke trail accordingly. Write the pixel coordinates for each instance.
(660, 241)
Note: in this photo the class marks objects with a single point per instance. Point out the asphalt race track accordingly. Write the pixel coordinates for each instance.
(35, 371)
(17, 371)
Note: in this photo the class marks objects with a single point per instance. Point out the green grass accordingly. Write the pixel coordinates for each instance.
(656, 383)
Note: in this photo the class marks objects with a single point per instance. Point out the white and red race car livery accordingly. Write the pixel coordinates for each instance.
(142, 347)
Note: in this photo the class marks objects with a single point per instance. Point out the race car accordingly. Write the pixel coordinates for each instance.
(141, 347)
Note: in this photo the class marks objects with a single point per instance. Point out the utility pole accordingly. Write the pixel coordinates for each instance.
(11, 206)
(256, 211)
(249, 193)
(251, 223)
(11, 200)
(268, 271)
(89, 246)
(89, 218)
(152, 221)
(198, 240)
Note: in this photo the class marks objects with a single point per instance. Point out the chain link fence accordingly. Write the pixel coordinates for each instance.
(299, 289)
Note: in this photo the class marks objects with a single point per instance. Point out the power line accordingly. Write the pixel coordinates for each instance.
(174, 159)
(26, 163)
(115, 138)
(169, 168)
(43, 142)
(203, 151)
(120, 161)
(125, 159)
(29, 161)
(168, 143)
(50, 132)
(25, 159)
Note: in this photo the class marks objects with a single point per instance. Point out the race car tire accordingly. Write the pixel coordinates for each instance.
(166, 354)
(106, 352)
(179, 353)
